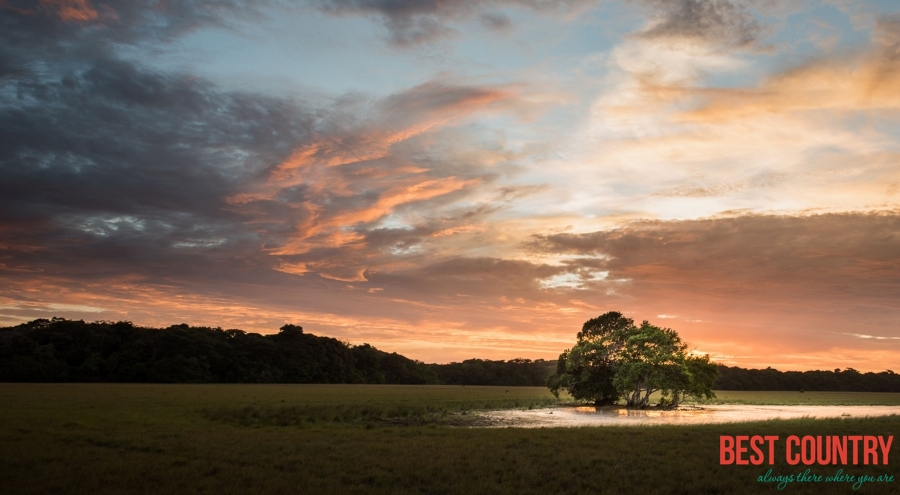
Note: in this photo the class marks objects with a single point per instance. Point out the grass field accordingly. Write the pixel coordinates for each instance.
(807, 398)
(294, 439)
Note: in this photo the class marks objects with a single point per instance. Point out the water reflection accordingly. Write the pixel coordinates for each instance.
(619, 416)
(638, 413)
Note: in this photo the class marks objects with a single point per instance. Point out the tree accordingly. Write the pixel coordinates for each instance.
(614, 359)
(655, 359)
(586, 371)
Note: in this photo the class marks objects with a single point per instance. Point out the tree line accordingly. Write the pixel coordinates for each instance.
(847, 380)
(60, 350)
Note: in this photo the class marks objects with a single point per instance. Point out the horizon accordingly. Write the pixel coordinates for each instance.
(460, 179)
(358, 344)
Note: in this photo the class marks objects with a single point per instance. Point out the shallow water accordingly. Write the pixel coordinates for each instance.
(610, 416)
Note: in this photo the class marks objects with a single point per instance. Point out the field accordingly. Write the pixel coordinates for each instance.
(292, 439)
(807, 398)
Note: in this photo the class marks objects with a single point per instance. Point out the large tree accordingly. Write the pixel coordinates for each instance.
(612, 359)
(586, 371)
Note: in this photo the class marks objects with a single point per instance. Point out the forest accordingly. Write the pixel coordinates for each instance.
(60, 350)
(847, 380)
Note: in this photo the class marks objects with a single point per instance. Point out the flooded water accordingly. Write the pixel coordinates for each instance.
(611, 416)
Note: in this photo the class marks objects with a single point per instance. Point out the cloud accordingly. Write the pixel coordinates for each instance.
(843, 262)
(741, 287)
(427, 219)
(754, 287)
(697, 189)
(39, 37)
(868, 80)
(66, 29)
(173, 170)
(412, 22)
(109, 168)
(398, 159)
(399, 118)
(666, 138)
(168, 178)
(724, 23)
(474, 276)
(71, 10)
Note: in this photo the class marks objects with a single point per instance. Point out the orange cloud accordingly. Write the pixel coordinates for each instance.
(461, 229)
(789, 292)
(361, 173)
(72, 10)
(862, 81)
(402, 116)
(326, 231)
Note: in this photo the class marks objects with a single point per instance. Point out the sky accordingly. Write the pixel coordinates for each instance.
(455, 179)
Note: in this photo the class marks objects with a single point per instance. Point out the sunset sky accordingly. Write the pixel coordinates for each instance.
(450, 179)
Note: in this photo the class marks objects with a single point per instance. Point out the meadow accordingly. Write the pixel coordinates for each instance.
(806, 398)
(291, 439)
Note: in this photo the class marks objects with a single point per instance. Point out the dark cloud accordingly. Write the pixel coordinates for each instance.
(113, 169)
(418, 21)
(94, 25)
(410, 22)
(721, 22)
(46, 37)
(110, 168)
(168, 142)
(496, 21)
(842, 262)
(787, 291)
(115, 165)
(482, 277)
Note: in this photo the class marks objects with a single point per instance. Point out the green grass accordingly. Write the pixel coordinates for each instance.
(377, 404)
(111, 438)
(807, 398)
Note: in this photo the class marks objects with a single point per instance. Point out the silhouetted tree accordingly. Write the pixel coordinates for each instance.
(613, 358)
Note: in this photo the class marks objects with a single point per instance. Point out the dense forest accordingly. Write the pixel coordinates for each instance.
(848, 380)
(60, 350)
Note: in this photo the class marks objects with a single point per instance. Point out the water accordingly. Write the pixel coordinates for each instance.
(611, 416)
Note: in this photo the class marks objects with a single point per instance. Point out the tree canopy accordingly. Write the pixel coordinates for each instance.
(60, 350)
(614, 359)
(847, 380)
